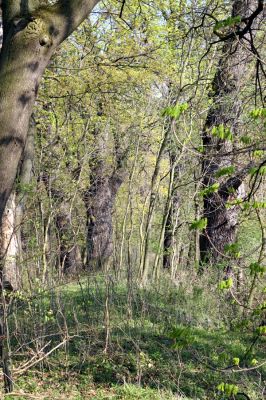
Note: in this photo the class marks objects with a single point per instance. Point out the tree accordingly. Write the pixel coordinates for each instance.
(32, 31)
(222, 180)
(31, 34)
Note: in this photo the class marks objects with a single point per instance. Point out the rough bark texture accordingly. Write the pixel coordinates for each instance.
(32, 32)
(10, 233)
(228, 82)
(99, 201)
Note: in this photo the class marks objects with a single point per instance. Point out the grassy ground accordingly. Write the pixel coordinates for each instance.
(122, 342)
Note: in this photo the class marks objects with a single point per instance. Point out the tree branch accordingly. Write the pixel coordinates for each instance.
(17, 8)
(70, 14)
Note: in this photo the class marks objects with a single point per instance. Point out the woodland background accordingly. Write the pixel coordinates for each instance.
(133, 242)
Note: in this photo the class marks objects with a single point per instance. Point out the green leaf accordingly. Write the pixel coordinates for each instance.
(246, 139)
(232, 249)
(256, 268)
(259, 204)
(221, 387)
(258, 113)
(222, 132)
(210, 189)
(228, 389)
(258, 170)
(199, 224)
(182, 336)
(225, 171)
(230, 21)
(261, 330)
(236, 361)
(175, 111)
(226, 284)
(258, 153)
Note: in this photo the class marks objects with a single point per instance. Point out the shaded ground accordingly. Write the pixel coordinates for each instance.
(129, 343)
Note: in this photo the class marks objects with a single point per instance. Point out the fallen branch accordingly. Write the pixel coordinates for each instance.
(28, 365)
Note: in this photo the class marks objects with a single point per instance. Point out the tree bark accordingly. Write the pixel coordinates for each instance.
(99, 200)
(32, 33)
(172, 218)
(228, 82)
(10, 234)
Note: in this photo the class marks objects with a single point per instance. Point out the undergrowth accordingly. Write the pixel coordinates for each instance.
(119, 341)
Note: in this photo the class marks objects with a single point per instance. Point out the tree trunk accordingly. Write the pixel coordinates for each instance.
(31, 35)
(99, 200)
(172, 218)
(144, 256)
(9, 245)
(224, 114)
(69, 255)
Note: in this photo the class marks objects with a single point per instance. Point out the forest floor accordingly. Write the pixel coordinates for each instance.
(113, 340)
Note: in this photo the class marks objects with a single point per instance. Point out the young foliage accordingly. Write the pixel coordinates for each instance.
(210, 189)
(222, 132)
(230, 21)
(225, 171)
(226, 284)
(199, 224)
(175, 111)
(228, 389)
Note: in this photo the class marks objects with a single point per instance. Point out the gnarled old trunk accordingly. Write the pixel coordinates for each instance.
(223, 117)
(99, 200)
(10, 231)
(221, 224)
(31, 33)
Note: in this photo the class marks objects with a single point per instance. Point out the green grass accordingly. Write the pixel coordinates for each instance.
(164, 342)
(125, 392)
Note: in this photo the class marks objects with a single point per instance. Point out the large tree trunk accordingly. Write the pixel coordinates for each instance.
(31, 35)
(228, 82)
(99, 201)
(10, 234)
(100, 196)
